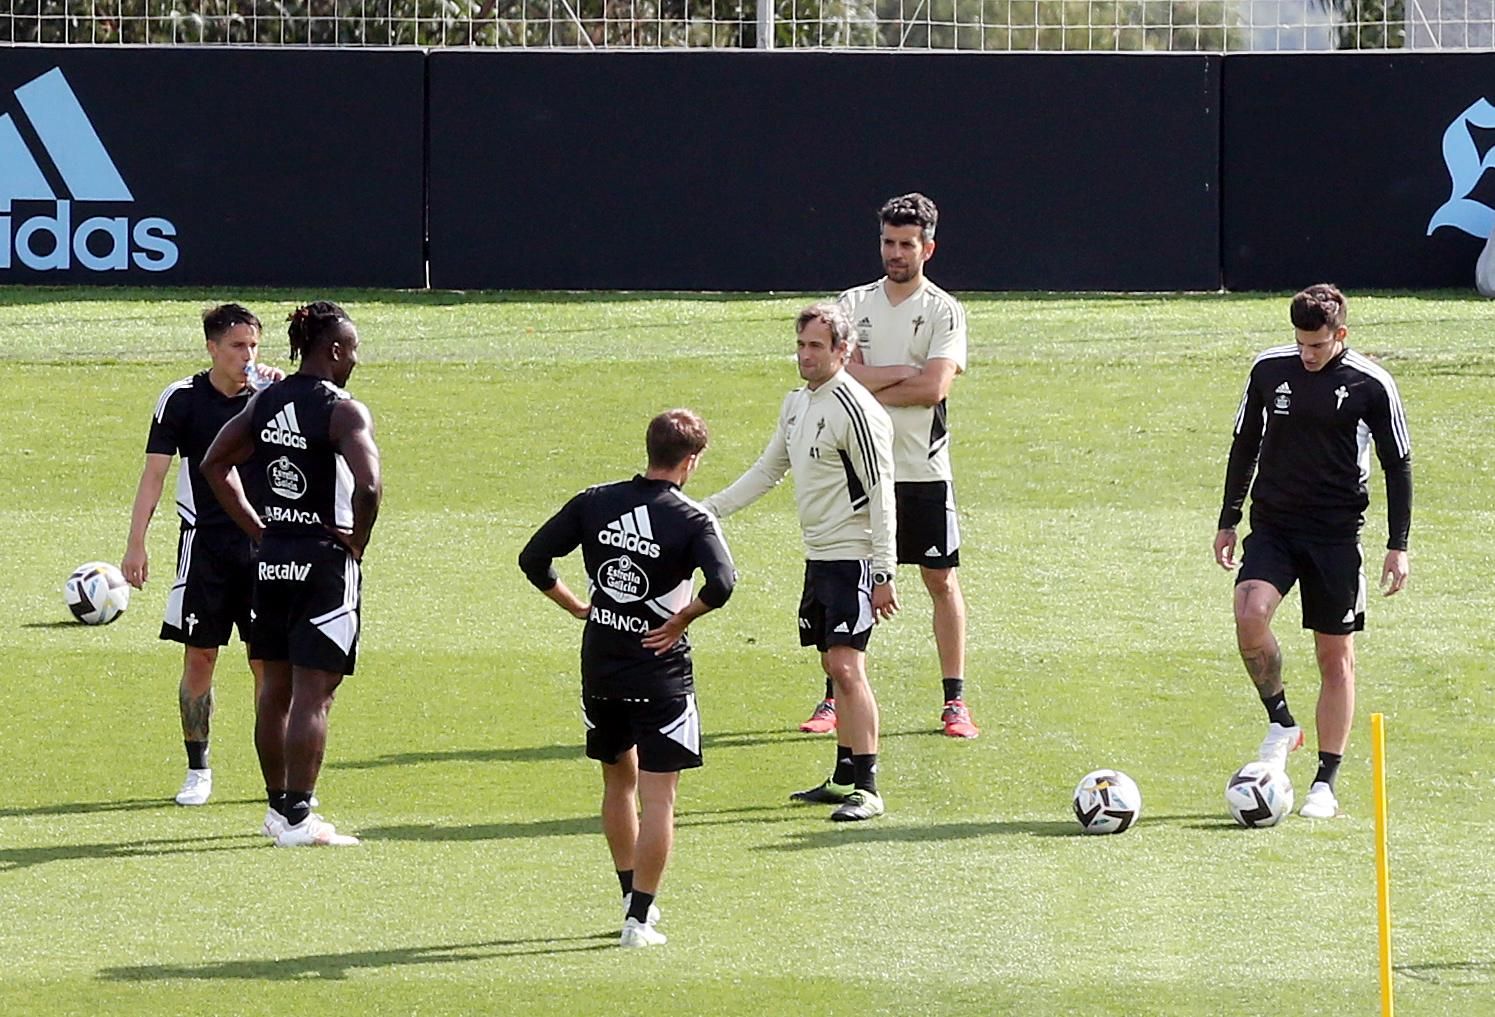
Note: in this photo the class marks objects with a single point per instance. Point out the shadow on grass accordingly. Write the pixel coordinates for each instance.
(119, 805)
(545, 753)
(53, 625)
(840, 834)
(336, 966)
(571, 827)
(12, 859)
(1456, 973)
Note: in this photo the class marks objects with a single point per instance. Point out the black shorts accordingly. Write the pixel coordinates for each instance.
(306, 604)
(928, 533)
(1332, 577)
(666, 731)
(836, 606)
(212, 590)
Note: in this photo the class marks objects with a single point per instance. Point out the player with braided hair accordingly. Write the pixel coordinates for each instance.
(315, 444)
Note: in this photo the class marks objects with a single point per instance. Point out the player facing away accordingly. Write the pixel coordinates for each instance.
(210, 595)
(1305, 425)
(910, 345)
(641, 540)
(314, 445)
(838, 441)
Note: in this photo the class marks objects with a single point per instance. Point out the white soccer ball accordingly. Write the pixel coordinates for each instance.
(96, 593)
(1258, 795)
(1107, 801)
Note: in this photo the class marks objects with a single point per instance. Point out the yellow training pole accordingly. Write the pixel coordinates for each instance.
(1383, 875)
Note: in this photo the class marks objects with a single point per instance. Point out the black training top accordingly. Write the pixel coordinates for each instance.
(640, 540)
(1307, 435)
(308, 485)
(188, 416)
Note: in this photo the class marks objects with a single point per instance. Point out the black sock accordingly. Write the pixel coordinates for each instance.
(298, 807)
(625, 880)
(1277, 711)
(865, 768)
(197, 755)
(277, 799)
(955, 688)
(1328, 768)
(844, 773)
(830, 693)
(638, 907)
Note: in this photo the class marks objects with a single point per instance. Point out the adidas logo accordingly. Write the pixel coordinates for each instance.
(283, 429)
(632, 531)
(1284, 389)
(841, 628)
(76, 157)
(931, 551)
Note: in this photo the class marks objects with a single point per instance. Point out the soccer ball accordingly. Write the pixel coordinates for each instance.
(96, 593)
(1107, 801)
(1258, 795)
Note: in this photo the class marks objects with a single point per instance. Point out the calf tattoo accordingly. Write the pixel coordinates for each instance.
(197, 715)
(1264, 665)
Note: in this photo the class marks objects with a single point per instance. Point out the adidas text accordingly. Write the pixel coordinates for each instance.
(278, 437)
(289, 571)
(626, 541)
(36, 219)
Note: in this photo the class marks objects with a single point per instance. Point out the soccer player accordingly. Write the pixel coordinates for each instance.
(911, 343)
(1305, 425)
(210, 595)
(640, 540)
(839, 442)
(314, 445)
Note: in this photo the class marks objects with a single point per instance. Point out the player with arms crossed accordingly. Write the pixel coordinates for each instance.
(911, 343)
(1305, 425)
(315, 446)
(214, 577)
(838, 441)
(641, 540)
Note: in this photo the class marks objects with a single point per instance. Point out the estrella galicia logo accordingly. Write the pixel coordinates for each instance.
(1465, 168)
(71, 148)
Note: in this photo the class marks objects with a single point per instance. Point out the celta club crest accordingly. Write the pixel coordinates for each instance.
(1340, 395)
(1465, 168)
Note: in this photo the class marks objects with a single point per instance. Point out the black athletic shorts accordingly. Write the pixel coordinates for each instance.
(836, 606)
(1331, 577)
(212, 590)
(667, 731)
(928, 534)
(306, 604)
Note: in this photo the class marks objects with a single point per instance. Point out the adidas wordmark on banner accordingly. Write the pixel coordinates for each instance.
(69, 144)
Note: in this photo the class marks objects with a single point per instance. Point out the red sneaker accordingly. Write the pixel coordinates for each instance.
(957, 720)
(823, 720)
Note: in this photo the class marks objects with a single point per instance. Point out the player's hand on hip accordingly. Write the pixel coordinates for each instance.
(1394, 572)
(884, 601)
(1225, 549)
(665, 636)
(136, 567)
(581, 611)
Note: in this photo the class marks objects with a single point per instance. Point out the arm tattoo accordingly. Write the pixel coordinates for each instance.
(197, 715)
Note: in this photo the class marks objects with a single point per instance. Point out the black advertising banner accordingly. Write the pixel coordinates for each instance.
(1368, 170)
(211, 166)
(764, 171)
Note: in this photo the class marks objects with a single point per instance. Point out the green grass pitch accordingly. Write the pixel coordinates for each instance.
(1090, 439)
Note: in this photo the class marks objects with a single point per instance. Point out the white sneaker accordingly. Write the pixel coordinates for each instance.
(635, 934)
(1278, 743)
(314, 831)
(275, 824)
(1320, 803)
(196, 789)
(653, 910)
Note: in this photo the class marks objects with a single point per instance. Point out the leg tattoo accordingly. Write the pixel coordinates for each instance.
(1264, 665)
(197, 715)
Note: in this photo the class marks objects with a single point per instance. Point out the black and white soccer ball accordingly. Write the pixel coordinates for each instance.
(96, 593)
(1107, 801)
(1258, 795)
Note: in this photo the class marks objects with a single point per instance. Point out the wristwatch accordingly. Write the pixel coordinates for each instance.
(881, 577)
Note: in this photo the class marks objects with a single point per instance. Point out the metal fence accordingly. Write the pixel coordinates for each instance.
(979, 25)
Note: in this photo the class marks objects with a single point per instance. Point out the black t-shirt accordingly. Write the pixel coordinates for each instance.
(640, 540)
(1307, 435)
(188, 416)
